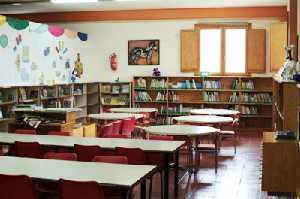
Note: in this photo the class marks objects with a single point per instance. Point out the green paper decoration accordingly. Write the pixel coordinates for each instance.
(17, 24)
(3, 41)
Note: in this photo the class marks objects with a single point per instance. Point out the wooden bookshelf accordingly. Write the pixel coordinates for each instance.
(115, 94)
(252, 96)
(93, 97)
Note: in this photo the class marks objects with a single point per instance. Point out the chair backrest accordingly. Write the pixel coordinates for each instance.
(127, 126)
(87, 153)
(135, 155)
(59, 133)
(111, 159)
(79, 189)
(116, 136)
(28, 149)
(61, 156)
(25, 131)
(161, 137)
(16, 187)
(116, 127)
(106, 130)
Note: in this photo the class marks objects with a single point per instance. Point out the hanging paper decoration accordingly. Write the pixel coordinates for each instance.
(2, 20)
(67, 64)
(78, 66)
(25, 54)
(18, 39)
(65, 51)
(15, 49)
(56, 31)
(61, 45)
(41, 28)
(70, 34)
(17, 24)
(47, 51)
(17, 62)
(3, 41)
(82, 36)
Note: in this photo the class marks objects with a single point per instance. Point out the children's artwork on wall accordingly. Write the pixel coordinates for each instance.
(25, 54)
(143, 52)
(3, 40)
(39, 53)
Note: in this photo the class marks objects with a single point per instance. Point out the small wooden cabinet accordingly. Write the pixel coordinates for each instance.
(279, 164)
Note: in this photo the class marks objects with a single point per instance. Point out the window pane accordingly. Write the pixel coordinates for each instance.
(210, 50)
(235, 50)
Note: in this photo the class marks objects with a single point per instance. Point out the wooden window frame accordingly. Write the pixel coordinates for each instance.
(223, 27)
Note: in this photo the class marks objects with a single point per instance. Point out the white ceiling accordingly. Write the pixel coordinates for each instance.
(130, 5)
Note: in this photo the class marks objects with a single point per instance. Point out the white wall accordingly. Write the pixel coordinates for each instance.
(108, 37)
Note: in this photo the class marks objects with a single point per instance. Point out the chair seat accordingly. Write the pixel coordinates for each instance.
(227, 132)
(206, 147)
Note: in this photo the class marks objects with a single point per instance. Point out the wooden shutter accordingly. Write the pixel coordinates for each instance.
(278, 41)
(189, 50)
(256, 51)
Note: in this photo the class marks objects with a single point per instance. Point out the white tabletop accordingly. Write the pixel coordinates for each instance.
(133, 110)
(181, 130)
(123, 175)
(204, 119)
(114, 116)
(214, 111)
(108, 143)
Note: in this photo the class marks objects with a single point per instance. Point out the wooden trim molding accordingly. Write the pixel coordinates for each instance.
(279, 12)
(292, 28)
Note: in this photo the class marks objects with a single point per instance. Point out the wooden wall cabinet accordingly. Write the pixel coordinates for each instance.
(190, 48)
(256, 51)
(278, 41)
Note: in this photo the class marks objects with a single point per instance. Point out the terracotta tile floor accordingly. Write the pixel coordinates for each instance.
(238, 176)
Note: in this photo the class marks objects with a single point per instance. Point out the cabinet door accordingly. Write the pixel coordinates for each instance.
(256, 51)
(189, 51)
(278, 41)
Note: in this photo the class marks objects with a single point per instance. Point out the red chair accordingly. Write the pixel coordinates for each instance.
(231, 133)
(61, 156)
(26, 131)
(116, 136)
(111, 159)
(59, 133)
(28, 149)
(106, 130)
(116, 127)
(78, 189)
(127, 126)
(87, 153)
(17, 187)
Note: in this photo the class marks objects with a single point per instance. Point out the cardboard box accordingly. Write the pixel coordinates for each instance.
(90, 130)
(77, 132)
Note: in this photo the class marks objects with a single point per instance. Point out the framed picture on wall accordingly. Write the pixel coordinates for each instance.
(143, 52)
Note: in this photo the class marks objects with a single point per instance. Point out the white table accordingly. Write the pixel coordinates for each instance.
(190, 132)
(214, 111)
(167, 148)
(103, 173)
(204, 119)
(133, 110)
(114, 116)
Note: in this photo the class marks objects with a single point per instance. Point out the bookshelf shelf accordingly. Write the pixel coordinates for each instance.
(180, 94)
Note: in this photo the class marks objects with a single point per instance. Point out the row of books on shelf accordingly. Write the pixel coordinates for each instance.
(248, 110)
(109, 100)
(212, 84)
(248, 85)
(115, 89)
(211, 97)
(142, 96)
(179, 110)
(251, 98)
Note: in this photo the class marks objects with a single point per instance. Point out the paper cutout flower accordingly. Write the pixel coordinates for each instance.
(56, 31)
(17, 24)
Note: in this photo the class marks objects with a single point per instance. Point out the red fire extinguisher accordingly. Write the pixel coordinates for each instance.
(113, 61)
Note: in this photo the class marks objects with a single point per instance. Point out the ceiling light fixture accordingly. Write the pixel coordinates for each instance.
(74, 1)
